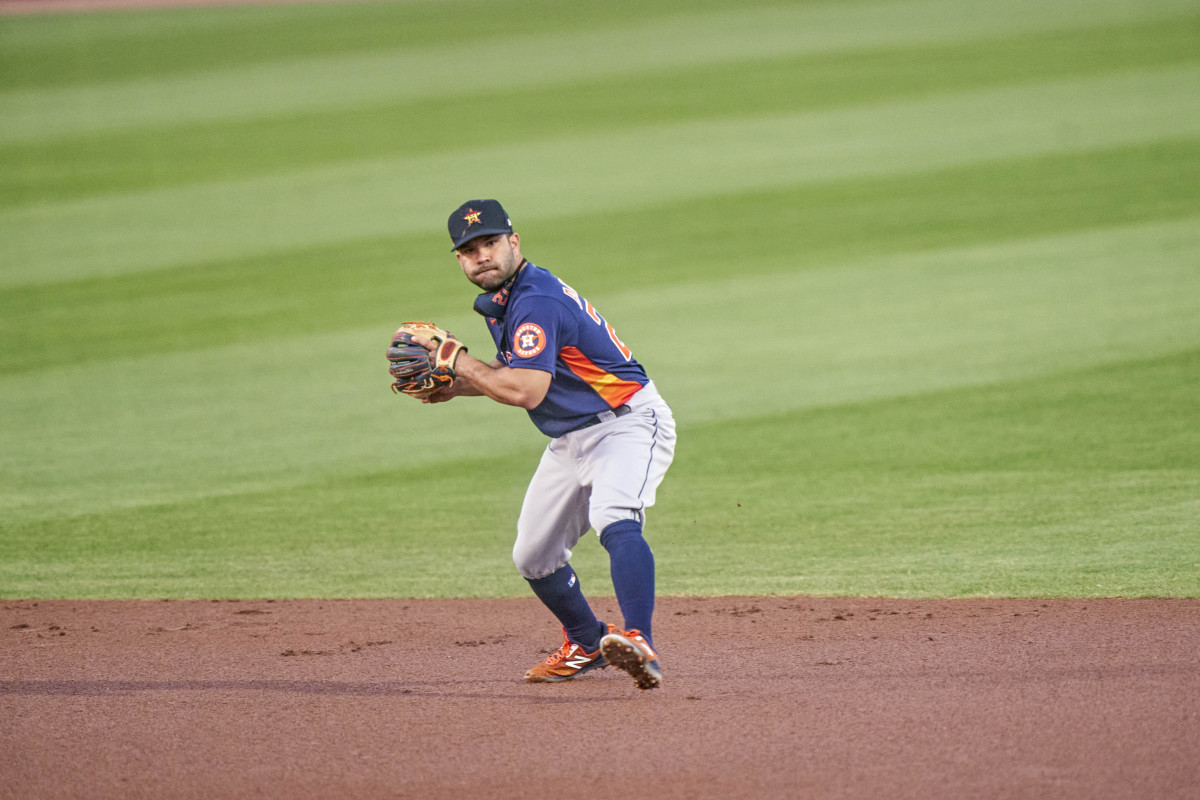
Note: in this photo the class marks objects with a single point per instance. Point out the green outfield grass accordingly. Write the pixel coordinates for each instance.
(921, 279)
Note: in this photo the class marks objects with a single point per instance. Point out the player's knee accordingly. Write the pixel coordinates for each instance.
(533, 563)
(524, 564)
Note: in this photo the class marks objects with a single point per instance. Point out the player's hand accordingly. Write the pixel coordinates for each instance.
(461, 387)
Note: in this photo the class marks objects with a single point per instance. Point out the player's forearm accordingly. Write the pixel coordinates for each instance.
(525, 388)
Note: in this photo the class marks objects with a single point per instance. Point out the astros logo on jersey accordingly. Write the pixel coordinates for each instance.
(472, 216)
(529, 340)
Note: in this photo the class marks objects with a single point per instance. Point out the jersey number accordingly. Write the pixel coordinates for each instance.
(591, 312)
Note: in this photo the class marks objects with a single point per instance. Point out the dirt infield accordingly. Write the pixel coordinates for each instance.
(763, 697)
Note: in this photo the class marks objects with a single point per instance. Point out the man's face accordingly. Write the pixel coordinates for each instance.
(489, 261)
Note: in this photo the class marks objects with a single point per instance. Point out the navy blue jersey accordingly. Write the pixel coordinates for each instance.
(544, 324)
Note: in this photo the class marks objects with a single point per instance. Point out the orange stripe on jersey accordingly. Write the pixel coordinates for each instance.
(614, 390)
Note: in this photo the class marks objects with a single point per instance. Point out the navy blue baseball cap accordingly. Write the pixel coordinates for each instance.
(476, 218)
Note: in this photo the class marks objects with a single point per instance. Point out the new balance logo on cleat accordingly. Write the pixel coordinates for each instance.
(579, 659)
(631, 653)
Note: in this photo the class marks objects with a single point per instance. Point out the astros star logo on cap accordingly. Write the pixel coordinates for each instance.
(472, 217)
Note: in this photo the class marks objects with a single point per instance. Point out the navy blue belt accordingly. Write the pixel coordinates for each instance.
(603, 416)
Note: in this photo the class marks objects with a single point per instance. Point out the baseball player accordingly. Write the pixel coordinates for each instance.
(612, 438)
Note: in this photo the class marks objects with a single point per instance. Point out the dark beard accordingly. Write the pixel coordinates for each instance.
(495, 280)
(493, 283)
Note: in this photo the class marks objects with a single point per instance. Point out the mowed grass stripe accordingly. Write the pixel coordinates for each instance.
(1082, 483)
(43, 52)
(1079, 484)
(327, 289)
(47, 171)
(347, 80)
(296, 408)
(926, 320)
(569, 175)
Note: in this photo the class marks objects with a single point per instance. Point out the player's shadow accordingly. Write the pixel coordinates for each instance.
(414, 689)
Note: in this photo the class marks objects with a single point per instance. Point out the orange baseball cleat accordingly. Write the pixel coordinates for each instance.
(630, 652)
(565, 663)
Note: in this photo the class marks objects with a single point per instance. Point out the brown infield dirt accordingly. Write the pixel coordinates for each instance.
(775, 697)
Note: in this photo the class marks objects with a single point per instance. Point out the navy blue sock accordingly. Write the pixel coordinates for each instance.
(560, 592)
(632, 566)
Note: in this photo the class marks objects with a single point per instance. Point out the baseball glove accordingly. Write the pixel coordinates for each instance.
(419, 372)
